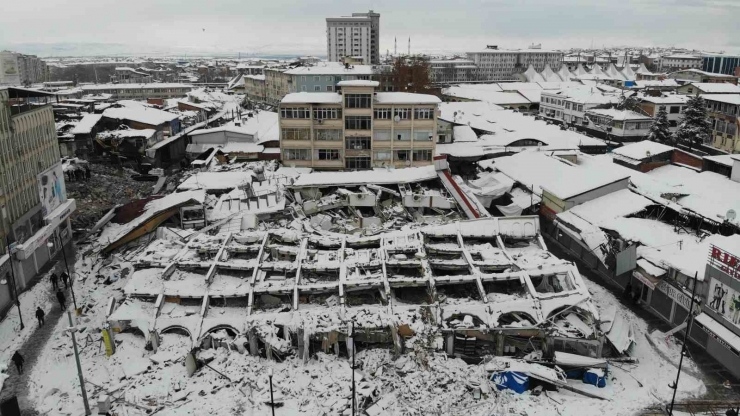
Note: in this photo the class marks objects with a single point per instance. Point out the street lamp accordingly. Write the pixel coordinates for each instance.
(72, 329)
(272, 398)
(66, 265)
(11, 282)
(352, 337)
(684, 351)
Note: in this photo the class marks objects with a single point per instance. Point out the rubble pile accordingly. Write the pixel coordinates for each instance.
(106, 188)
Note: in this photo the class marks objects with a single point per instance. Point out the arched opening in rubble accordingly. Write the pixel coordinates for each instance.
(134, 330)
(218, 336)
(176, 329)
(516, 319)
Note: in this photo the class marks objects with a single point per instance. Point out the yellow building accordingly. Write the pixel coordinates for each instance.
(724, 115)
(358, 128)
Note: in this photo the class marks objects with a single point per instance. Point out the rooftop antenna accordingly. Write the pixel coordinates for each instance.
(409, 53)
(395, 46)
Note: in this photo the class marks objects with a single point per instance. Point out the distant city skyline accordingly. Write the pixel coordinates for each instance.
(86, 27)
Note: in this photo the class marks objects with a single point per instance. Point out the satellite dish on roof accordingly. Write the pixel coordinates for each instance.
(731, 215)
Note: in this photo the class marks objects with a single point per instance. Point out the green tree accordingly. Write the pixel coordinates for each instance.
(694, 128)
(659, 130)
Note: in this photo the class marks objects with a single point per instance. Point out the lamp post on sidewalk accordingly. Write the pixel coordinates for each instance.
(272, 398)
(72, 329)
(352, 337)
(684, 351)
(11, 282)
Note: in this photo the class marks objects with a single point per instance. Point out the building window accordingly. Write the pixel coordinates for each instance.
(423, 113)
(422, 136)
(317, 88)
(383, 155)
(330, 88)
(673, 123)
(327, 135)
(357, 143)
(403, 135)
(357, 162)
(441, 138)
(328, 79)
(328, 154)
(303, 88)
(296, 134)
(422, 155)
(294, 112)
(357, 122)
(403, 156)
(383, 113)
(327, 113)
(297, 154)
(675, 109)
(382, 135)
(303, 78)
(402, 113)
(316, 78)
(357, 100)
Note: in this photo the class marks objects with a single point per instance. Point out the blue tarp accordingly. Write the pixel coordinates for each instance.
(512, 380)
(596, 376)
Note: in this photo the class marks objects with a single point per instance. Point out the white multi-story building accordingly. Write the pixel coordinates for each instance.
(568, 106)
(496, 64)
(676, 62)
(354, 36)
(453, 70)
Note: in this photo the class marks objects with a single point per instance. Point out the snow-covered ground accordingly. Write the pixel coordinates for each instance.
(413, 384)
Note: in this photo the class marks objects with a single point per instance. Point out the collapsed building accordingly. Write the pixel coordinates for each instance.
(469, 288)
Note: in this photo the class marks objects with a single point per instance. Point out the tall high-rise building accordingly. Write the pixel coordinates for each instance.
(357, 36)
(20, 69)
(34, 209)
(496, 64)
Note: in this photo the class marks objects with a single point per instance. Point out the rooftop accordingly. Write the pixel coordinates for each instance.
(358, 83)
(642, 150)
(141, 114)
(717, 87)
(405, 98)
(620, 115)
(535, 169)
(332, 68)
(312, 98)
(723, 98)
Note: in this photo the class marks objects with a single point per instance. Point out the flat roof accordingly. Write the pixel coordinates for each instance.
(405, 98)
(312, 98)
(642, 150)
(378, 177)
(358, 83)
(723, 98)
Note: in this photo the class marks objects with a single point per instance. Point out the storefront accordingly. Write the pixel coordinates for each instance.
(718, 327)
(35, 252)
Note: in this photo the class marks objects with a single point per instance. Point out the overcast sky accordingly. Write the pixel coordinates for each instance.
(290, 26)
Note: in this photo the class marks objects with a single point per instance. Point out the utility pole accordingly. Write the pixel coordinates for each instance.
(352, 337)
(66, 265)
(674, 385)
(72, 331)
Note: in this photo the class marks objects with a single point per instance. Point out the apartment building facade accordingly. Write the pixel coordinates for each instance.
(501, 65)
(139, 91)
(358, 128)
(354, 36)
(674, 106)
(569, 106)
(677, 62)
(724, 114)
(255, 88)
(34, 209)
(20, 69)
(449, 71)
(324, 77)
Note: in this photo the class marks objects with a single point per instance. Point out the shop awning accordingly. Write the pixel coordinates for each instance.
(719, 333)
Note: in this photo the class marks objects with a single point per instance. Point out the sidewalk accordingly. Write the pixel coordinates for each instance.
(31, 339)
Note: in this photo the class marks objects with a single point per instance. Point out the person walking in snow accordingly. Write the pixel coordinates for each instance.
(60, 297)
(65, 278)
(40, 315)
(18, 360)
(54, 281)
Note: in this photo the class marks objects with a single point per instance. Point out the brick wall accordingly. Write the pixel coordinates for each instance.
(685, 158)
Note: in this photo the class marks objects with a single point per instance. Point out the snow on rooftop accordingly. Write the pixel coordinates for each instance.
(377, 176)
(464, 134)
(709, 194)
(217, 181)
(127, 133)
(312, 98)
(141, 114)
(615, 114)
(666, 99)
(87, 123)
(617, 204)
(535, 169)
(716, 87)
(723, 98)
(358, 83)
(725, 160)
(642, 150)
(405, 98)
(153, 85)
(493, 97)
(332, 68)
